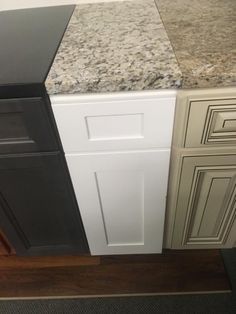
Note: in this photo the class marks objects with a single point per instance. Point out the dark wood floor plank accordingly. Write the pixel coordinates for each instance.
(171, 272)
(47, 261)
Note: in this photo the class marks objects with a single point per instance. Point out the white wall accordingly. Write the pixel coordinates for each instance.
(19, 4)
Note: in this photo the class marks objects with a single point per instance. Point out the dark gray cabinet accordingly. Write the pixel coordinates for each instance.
(38, 212)
(25, 126)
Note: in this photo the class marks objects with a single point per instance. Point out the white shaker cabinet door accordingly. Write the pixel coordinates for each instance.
(122, 198)
(118, 121)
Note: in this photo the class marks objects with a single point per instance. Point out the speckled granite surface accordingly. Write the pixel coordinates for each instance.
(203, 35)
(114, 46)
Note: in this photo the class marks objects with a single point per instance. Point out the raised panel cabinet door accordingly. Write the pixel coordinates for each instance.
(25, 126)
(114, 121)
(122, 199)
(38, 210)
(206, 206)
(205, 118)
(215, 124)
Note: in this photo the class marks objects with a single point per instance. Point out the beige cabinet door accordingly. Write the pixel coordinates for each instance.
(215, 124)
(206, 203)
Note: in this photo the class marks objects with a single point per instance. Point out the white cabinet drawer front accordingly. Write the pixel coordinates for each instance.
(212, 123)
(114, 122)
(121, 197)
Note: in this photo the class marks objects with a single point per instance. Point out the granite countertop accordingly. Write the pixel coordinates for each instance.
(121, 46)
(203, 35)
(114, 46)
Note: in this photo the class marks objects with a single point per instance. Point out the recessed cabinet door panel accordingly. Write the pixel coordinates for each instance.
(25, 126)
(114, 122)
(38, 211)
(122, 199)
(206, 207)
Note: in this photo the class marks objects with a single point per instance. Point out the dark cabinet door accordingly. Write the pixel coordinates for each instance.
(38, 211)
(25, 126)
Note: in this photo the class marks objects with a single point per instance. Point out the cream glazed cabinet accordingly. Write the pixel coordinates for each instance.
(201, 207)
(117, 148)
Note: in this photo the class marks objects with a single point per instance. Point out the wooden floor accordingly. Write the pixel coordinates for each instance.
(172, 272)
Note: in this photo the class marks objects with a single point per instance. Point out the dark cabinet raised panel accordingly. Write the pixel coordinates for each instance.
(25, 126)
(38, 212)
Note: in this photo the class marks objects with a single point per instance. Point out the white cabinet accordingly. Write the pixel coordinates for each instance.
(117, 148)
(121, 197)
(121, 121)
